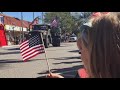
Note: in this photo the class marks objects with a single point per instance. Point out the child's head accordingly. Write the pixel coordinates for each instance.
(100, 46)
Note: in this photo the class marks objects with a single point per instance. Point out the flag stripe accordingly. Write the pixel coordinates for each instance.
(27, 48)
(24, 49)
(32, 55)
(21, 47)
(25, 42)
(31, 50)
(27, 58)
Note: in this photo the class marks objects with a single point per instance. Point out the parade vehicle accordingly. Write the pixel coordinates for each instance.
(49, 34)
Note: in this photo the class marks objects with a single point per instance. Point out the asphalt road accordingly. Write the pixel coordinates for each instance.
(63, 60)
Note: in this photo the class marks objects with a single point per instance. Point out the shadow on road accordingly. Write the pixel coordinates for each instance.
(17, 52)
(66, 72)
(74, 51)
(17, 61)
(10, 61)
(14, 49)
(66, 58)
(68, 62)
(3, 65)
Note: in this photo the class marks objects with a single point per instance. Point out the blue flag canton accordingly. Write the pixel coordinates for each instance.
(34, 39)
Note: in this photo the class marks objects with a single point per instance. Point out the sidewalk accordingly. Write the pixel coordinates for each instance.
(9, 46)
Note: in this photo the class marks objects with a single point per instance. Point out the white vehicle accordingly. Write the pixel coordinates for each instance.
(73, 38)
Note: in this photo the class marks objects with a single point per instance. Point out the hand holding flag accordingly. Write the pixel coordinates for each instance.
(33, 47)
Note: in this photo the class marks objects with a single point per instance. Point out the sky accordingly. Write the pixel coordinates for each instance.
(28, 16)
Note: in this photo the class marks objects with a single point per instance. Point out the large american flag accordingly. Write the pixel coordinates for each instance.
(54, 23)
(32, 46)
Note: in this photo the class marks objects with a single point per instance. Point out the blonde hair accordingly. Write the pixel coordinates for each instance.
(103, 44)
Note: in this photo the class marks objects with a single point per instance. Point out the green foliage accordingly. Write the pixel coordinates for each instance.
(66, 21)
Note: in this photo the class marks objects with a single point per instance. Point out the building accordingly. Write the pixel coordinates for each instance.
(14, 29)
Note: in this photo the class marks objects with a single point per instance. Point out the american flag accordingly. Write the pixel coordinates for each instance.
(32, 46)
(54, 23)
(35, 21)
(1, 20)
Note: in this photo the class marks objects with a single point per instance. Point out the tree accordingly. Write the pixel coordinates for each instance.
(66, 21)
(83, 17)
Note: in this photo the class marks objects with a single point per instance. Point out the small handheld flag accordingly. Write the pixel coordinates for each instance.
(32, 46)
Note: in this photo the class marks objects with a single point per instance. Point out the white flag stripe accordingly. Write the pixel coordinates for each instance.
(42, 51)
(24, 48)
(24, 55)
(30, 51)
(30, 55)
(38, 46)
(23, 43)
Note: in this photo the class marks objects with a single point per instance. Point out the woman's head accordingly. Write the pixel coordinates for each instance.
(100, 46)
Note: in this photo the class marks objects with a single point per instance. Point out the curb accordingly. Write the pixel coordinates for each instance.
(10, 46)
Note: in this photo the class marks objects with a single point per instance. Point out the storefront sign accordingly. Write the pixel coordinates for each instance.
(15, 28)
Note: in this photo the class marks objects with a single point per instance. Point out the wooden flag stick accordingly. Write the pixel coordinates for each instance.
(45, 54)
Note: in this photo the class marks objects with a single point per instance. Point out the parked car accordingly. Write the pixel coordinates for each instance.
(73, 38)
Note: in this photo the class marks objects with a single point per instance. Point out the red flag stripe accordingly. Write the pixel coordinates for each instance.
(27, 58)
(25, 46)
(30, 52)
(21, 47)
(24, 49)
(32, 55)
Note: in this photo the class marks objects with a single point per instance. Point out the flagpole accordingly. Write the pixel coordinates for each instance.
(45, 54)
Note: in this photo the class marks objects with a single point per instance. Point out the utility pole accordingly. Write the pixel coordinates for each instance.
(33, 15)
(20, 36)
(42, 18)
(22, 25)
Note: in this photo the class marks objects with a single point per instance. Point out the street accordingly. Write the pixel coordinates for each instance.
(63, 60)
